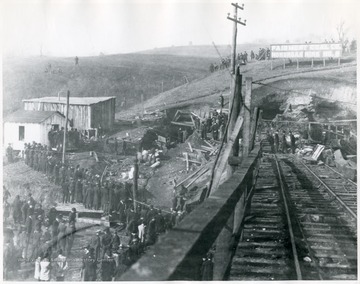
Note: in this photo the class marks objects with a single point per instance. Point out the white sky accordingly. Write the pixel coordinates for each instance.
(88, 27)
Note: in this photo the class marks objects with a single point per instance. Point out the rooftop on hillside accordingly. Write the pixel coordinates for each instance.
(72, 101)
(30, 116)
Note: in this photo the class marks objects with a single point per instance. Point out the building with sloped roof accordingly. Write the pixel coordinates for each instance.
(25, 126)
(85, 113)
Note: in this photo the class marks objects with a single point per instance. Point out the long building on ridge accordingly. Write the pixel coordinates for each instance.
(85, 113)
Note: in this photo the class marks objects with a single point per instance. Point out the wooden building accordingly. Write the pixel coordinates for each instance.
(25, 126)
(85, 113)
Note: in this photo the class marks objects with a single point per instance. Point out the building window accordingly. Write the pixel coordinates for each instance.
(21, 133)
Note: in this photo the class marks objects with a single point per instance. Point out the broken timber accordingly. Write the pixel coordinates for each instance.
(225, 155)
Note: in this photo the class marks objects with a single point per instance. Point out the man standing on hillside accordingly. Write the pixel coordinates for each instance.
(76, 60)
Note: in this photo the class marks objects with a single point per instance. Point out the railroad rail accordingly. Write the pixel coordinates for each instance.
(300, 224)
(274, 219)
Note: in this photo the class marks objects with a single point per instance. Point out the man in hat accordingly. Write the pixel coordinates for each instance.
(55, 227)
(292, 140)
(61, 266)
(72, 187)
(79, 189)
(106, 242)
(107, 267)
(65, 191)
(276, 141)
(61, 238)
(72, 216)
(96, 244)
(115, 242)
(88, 269)
(16, 209)
(70, 235)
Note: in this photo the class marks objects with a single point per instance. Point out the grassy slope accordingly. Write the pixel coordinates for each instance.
(115, 75)
(204, 50)
(219, 82)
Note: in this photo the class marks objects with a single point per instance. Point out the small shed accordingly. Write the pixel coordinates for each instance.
(85, 113)
(25, 126)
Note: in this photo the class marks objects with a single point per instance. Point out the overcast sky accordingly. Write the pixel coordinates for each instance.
(88, 27)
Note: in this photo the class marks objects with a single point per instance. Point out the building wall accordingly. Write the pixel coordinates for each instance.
(103, 114)
(37, 132)
(83, 116)
(78, 113)
(11, 134)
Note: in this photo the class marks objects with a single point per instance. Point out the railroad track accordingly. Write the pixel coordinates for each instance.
(300, 225)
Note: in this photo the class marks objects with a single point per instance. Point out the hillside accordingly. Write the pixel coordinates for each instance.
(207, 90)
(204, 50)
(124, 76)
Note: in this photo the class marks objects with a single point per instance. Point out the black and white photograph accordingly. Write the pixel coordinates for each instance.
(179, 140)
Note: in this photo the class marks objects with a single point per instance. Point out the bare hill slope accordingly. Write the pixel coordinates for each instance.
(208, 89)
(122, 75)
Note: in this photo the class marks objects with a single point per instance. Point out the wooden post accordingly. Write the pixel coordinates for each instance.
(297, 63)
(336, 131)
(260, 126)
(247, 116)
(233, 51)
(284, 63)
(135, 181)
(339, 61)
(235, 109)
(223, 161)
(66, 126)
(312, 62)
(253, 127)
(324, 62)
(223, 253)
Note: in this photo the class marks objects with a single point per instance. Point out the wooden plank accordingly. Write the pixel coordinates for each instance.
(195, 235)
(190, 176)
(187, 161)
(182, 124)
(191, 149)
(224, 158)
(190, 161)
(247, 117)
(196, 178)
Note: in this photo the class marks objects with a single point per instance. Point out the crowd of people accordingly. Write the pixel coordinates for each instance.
(278, 142)
(32, 235)
(242, 58)
(43, 238)
(56, 138)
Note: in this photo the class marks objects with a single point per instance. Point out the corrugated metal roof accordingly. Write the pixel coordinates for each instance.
(72, 101)
(30, 116)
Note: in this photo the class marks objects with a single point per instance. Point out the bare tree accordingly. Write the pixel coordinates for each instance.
(342, 31)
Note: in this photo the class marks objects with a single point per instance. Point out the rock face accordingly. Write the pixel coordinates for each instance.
(318, 98)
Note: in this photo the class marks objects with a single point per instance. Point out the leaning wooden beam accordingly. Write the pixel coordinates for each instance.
(193, 121)
(253, 126)
(225, 155)
(182, 124)
(190, 161)
(190, 176)
(211, 146)
(187, 161)
(191, 149)
(196, 178)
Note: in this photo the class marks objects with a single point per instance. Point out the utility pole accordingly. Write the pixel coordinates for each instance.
(235, 97)
(236, 21)
(66, 125)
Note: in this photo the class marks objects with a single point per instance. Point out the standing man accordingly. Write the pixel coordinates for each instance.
(276, 140)
(283, 142)
(292, 139)
(61, 266)
(9, 154)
